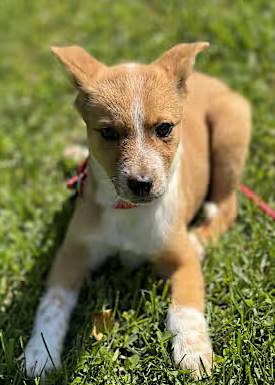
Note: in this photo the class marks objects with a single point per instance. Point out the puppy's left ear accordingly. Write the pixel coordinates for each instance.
(79, 63)
(178, 62)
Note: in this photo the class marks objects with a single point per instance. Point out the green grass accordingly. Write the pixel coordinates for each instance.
(38, 121)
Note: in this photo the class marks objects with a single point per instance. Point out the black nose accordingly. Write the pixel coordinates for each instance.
(140, 185)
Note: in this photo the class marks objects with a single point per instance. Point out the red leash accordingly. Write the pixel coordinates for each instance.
(258, 201)
(77, 183)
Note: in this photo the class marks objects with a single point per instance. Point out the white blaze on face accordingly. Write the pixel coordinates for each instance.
(149, 156)
(137, 108)
(137, 114)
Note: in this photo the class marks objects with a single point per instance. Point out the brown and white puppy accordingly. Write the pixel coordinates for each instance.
(161, 139)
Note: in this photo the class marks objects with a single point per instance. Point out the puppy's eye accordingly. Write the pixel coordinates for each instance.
(163, 130)
(109, 133)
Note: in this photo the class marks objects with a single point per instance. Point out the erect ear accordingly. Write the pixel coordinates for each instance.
(178, 62)
(80, 65)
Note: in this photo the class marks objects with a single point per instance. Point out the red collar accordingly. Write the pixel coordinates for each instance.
(77, 182)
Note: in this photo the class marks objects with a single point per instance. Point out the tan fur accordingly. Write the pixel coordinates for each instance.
(211, 123)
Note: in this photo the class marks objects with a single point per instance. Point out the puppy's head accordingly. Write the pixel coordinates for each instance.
(133, 114)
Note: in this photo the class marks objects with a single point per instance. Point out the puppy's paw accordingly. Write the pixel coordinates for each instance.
(191, 344)
(36, 359)
(208, 231)
(43, 351)
(210, 210)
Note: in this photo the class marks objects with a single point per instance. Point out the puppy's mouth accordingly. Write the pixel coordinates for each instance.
(121, 203)
(139, 201)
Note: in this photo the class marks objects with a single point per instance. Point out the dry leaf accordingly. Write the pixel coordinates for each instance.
(103, 322)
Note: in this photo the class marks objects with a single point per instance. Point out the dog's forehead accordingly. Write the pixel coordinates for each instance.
(125, 87)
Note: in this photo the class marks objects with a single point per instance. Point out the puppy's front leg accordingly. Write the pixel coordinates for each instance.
(43, 351)
(191, 343)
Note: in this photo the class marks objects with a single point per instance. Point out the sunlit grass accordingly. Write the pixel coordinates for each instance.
(38, 121)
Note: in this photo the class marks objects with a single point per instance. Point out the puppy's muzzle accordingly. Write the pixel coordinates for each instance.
(140, 185)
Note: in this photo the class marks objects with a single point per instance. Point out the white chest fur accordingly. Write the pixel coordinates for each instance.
(140, 231)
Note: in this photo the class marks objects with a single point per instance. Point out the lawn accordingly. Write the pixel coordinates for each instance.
(38, 122)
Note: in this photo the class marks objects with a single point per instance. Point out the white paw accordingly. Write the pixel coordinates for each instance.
(43, 354)
(211, 210)
(191, 344)
(38, 362)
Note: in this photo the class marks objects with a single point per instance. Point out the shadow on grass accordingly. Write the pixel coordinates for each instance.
(112, 286)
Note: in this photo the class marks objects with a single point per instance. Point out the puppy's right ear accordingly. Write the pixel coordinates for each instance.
(81, 66)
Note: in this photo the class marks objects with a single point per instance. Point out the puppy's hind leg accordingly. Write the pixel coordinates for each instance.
(230, 125)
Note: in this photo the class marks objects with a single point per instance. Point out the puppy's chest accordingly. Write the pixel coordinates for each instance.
(138, 231)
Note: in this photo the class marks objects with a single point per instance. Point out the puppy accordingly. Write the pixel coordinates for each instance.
(162, 139)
